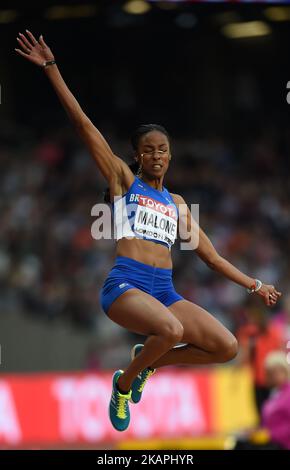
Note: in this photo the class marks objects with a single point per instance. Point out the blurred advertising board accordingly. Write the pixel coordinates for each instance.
(71, 408)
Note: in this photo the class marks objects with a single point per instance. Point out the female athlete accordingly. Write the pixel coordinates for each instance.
(139, 294)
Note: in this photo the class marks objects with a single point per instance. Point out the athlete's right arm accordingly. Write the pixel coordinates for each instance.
(113, 168)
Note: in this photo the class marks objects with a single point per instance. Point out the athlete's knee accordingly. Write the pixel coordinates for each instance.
(228, 350)
(172, 332)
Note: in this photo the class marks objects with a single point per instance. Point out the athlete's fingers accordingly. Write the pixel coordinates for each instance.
(273, 296)
(32, 38)
(24, 47)
(267, 299)
(25, 40)
(21, 53)
(42, 42)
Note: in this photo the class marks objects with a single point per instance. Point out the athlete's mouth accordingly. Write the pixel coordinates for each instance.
(157, 166)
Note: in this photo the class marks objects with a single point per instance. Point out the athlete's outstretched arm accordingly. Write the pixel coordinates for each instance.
(109, 164)
(191, 232)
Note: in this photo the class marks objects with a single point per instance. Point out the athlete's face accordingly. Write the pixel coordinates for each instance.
(154, 154)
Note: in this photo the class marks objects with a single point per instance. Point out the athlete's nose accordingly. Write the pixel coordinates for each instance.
(156, 155)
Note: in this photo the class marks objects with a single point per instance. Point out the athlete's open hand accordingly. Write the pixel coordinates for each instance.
(269, 294)
(37, 52)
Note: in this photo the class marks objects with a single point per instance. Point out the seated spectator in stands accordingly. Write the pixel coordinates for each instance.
(276, 410)
(257, 338)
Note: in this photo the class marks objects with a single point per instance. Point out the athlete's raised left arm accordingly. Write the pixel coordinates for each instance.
(193, 234)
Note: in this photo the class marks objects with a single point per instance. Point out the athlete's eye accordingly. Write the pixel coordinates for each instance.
(150, 153)
(147, 153)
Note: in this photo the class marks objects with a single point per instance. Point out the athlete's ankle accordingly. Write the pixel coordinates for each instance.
(124, 390)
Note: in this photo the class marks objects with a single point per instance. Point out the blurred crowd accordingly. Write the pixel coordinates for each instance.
(51, 267)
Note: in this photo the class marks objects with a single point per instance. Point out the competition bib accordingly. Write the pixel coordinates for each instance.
(155, 220)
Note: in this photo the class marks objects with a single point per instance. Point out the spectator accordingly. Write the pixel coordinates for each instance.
(257, 338)
(276, 410)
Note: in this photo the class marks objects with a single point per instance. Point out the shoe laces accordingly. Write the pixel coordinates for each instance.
(147, 374)
(122, 405)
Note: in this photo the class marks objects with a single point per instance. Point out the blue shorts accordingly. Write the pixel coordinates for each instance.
(130, 274)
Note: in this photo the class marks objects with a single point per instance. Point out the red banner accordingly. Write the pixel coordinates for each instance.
(73, 408)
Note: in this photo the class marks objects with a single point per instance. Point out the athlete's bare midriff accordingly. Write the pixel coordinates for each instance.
(145, 251)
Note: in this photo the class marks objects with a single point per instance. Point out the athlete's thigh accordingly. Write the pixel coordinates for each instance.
(200, 327)
(141, 313)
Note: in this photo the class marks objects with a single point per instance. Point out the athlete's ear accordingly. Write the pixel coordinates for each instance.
(169, 156)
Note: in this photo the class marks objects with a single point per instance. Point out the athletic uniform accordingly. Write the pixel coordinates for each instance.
(146, 213)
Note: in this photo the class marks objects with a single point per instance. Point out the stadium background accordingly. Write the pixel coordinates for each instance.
(215, 76)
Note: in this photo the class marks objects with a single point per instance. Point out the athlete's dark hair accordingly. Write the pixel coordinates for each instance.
(143, 129)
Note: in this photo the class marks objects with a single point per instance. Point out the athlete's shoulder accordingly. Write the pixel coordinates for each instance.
(177, 199)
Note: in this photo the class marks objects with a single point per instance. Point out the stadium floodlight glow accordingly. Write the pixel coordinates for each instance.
(59, 12)
(246, 29)
(277, 13)
(8, 16)
(136, 7)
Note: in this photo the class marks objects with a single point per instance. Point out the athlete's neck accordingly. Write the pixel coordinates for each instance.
(156, 183)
